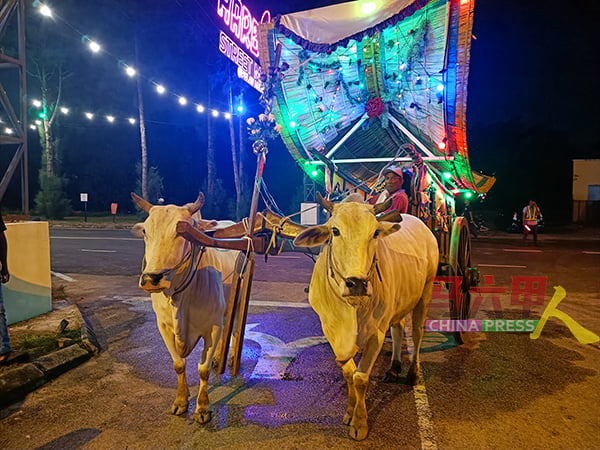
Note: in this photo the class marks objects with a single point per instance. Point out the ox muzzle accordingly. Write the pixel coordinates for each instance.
(154, 282)
(356, 287)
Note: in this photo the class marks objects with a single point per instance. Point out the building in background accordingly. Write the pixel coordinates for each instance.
(586, 191)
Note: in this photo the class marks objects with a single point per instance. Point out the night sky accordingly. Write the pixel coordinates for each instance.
(533, 100)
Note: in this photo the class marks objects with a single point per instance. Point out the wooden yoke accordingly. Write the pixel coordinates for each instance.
(196, 237)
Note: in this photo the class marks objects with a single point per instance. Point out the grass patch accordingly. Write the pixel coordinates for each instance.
(41, 344)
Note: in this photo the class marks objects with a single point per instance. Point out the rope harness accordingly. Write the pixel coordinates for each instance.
(332, 270)
(191, 254)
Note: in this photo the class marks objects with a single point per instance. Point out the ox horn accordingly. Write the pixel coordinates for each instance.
(143, 204)
(324, 202)
(381, 207)
(194, 207)
(392, 216)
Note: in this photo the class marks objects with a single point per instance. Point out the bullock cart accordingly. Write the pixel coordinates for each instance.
(360, 86)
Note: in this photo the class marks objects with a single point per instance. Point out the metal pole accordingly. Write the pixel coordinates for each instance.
(260, 165)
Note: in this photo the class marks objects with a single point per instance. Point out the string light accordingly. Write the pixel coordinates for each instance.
(95, 47)
(36, 103)
(64, 110)
(45, 11)
(89, 115)
(111, 119)
(131, 120)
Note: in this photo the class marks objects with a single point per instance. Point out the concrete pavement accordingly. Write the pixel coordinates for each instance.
(18, 379)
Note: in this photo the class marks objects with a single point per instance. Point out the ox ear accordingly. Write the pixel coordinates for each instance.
(324, 202)
(381, 207)
(312, 237)
(195, 207)
(387, 228)
(138, 230)
(143, 204)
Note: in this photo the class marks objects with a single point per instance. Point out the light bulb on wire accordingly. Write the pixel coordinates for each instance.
(45, 11)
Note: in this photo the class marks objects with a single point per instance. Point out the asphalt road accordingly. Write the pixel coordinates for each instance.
(501, 390)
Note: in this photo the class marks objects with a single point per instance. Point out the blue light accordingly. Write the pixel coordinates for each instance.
(440, 87)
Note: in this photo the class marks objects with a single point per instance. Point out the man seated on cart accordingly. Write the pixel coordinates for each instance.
(393, 188)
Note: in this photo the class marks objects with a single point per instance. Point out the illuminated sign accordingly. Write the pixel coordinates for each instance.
(242, 24)
(248, 69)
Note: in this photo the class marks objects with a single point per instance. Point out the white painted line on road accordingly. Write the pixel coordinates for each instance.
(424, 417)
(591, 253)
(502, 265)
(62, 276)
(91, 238)
(98, 251)
(278, 304)
(521, 250)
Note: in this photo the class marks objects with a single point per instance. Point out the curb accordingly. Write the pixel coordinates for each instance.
(16, 383)
(19, 381)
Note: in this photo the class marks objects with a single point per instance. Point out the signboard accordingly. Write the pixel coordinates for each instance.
(248, 69)
(241, 23)
(83, 197)
(244, 26)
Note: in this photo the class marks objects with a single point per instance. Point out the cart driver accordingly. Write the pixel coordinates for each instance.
(393, 188)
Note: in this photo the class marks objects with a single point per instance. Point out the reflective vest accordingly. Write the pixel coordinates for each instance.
(532, 213)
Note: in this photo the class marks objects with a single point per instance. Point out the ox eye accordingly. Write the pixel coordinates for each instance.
(376, 234)
(335, 231)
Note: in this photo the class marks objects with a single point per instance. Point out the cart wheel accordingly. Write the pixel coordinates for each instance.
(460, 263)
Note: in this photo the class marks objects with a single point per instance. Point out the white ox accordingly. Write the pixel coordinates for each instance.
(188, 286)
(368, 277)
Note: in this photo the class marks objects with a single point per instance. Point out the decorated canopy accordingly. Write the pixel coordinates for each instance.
(366, 78)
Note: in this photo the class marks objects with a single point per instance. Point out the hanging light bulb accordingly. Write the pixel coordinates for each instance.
(111, 119)
(200, 108)
(215, 113)
(45, 11)
(89, 115)
(182, 101)
(227, 115)
(36, 103)
(64, 110)
(130, 71)
(33, 127)
(131, 120)
(94, 46)
(160, 89)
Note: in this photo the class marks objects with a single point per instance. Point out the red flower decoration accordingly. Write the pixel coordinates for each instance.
(374, 107)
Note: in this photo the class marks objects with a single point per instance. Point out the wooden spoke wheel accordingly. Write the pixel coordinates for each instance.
(460, 267)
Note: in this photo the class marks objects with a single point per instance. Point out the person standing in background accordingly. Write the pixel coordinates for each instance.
(531, 213)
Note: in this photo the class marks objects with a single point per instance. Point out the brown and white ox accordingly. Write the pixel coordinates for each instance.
(188, 285)
(368, 277)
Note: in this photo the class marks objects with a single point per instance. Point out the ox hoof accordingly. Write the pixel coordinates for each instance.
(413, 378)
(358, 433)
(393, 373)
(179, 408)
(391, 376)
(347, 419)
(202, 417)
